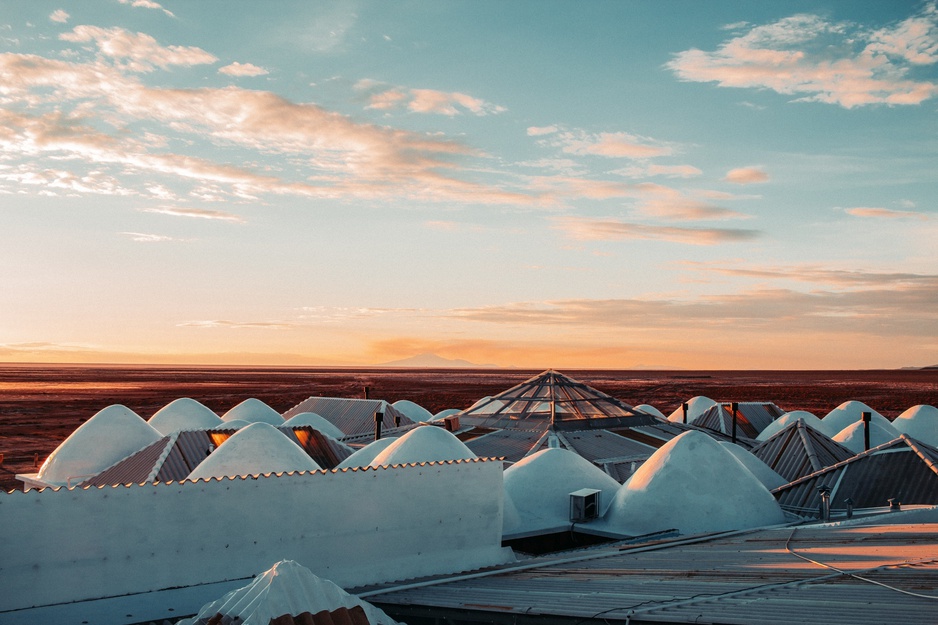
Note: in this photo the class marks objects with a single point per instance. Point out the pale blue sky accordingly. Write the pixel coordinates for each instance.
(538, 184)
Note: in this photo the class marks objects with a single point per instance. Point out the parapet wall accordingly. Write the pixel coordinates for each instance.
(354, 527)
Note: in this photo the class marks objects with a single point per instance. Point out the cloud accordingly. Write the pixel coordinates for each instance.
(746, 175)
(652, 169)
(237, 325)
(607, 144)
(384, 97)
(197, 213)
(243, 69)
(147, 4)
(813, 274)
(884, 213)
(595, 229)
(539, 131)
(141, 237)
(137, 52)
(59, 15)
(822, 61)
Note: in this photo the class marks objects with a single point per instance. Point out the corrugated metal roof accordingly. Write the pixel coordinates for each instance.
(341, 616)
(512, 445)
(751, 418)
(903, 469)
(745, 578)
(597, 445)
(326, 451)
(800, 450)
(134, 469)
(352, 416)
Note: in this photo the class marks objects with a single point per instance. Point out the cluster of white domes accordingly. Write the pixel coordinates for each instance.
(257, 449)
(427, 443)
(919, 422)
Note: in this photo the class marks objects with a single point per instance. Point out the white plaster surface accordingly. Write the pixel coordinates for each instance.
(853, 437)
(184, 413)
(763, 472)
(649, 409)
(253, 410)
(254, 450)
(414, 411)
(849, 413)
(696, 406)
(315, 421)
(920, 422)
(423, 444)
(364, 456)
(788, 418)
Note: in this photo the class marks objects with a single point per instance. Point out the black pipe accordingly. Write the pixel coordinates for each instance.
(867, 417)
(684, 408)
(735, 408)
(379, 419)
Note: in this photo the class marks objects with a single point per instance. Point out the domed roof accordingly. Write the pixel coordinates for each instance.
(183, 414)
(539, 488)
(445, 413)
(769, 478)
(696, 406)
(853, 438)
(315, 421)
(414, 412)
(790, 417)
(649, 409)
(364, 456)
(254, 450)
(920, 422)
(254, 411)
(234, 424)
(694, 485)
(109, 436)
(850, 412)
(427, 443)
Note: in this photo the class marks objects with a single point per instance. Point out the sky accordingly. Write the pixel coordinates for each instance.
(537, 184)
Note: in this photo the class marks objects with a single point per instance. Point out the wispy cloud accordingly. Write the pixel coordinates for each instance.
(746, 175)
(836, 63)
(196, 213)
(237, 325)
(137, 52)
(142, 237)
(243, 69)
(59, 15)
(147, 4)
(813, 274)
(594, 229)
(450, 103)
(884, 213)
(605, 144)
(652, 169)
(539, 131)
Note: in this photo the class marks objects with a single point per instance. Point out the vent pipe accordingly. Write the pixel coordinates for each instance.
(735, 407)
(366, 392)
(849, 503)
(397, 420)
(684, 408)
(867, 417)
(379, 418)
(825, 507)
(894, 504)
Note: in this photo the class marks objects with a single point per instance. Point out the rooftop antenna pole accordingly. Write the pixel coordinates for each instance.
(867, 417)
(735, 407)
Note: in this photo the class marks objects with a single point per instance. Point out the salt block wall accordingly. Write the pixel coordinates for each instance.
(351, 527)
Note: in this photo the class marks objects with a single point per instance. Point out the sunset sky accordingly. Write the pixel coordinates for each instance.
(536, 184)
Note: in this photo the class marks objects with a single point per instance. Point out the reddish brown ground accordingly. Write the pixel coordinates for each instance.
(41, 405)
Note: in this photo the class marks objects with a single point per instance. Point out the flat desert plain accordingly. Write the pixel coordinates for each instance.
(40, 405)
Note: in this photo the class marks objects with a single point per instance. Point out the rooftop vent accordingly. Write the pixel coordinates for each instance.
(584, 504)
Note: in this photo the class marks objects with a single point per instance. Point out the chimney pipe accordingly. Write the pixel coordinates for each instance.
(366, 392)
(379, 418)
(684, 408)
(397, 420)
(867, 417)
(825, 508)
(894, 505)
(735, 409)
(849, 503)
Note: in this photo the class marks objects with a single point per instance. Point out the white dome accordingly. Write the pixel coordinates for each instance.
(694, 485)
(111, 435)
(853, 438)
(427, 443)
(539, 488)
(790, 417)
(696, 406)
(414, 412)
(183, 414)
(257, 449)
(364, 456)
(920, 422)
(316, 422)
(445, 413)
(850, 412)
(234, 424)
(763, 472)
(649, 409)
(253, 411)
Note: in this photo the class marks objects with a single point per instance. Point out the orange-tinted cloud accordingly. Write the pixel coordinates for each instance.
(746, 175)
(242, 69)
(594, 229)
(884, 213)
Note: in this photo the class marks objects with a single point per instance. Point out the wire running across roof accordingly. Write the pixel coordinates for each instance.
(552, 398)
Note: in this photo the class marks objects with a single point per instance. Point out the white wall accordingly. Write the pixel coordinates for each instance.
(352, 527)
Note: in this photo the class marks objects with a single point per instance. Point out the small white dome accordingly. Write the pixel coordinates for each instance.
(850, 412)
(254, 411)
(183, 414)
(920, 422)
(763, 472)
(696, 406)
(790, 417)
(649, 409)
(445, 413)
(256, 449)
(414, 412)
(111, 435)
(364, 456)
(693, 485)
(853, 438)
(427, 443)
(539, 488)
(315, 421)
(234, 424)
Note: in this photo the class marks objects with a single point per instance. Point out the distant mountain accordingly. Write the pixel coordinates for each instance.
(432, 361)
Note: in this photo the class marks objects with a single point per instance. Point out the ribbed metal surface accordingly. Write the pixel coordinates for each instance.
(512, 445)
(596, 445)
(751, 578)
(800, 450)
(134, 469)
(751, 418)
(905, 470)
(352, 416)
(325, 451)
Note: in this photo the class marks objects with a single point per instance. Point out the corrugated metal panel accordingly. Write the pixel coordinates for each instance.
(752, 578)
(512, 445)
(622, 470)
(352, 416)
(324, 450)
(800, 450)
(135, 469)
(341, 616)
(596, 445)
